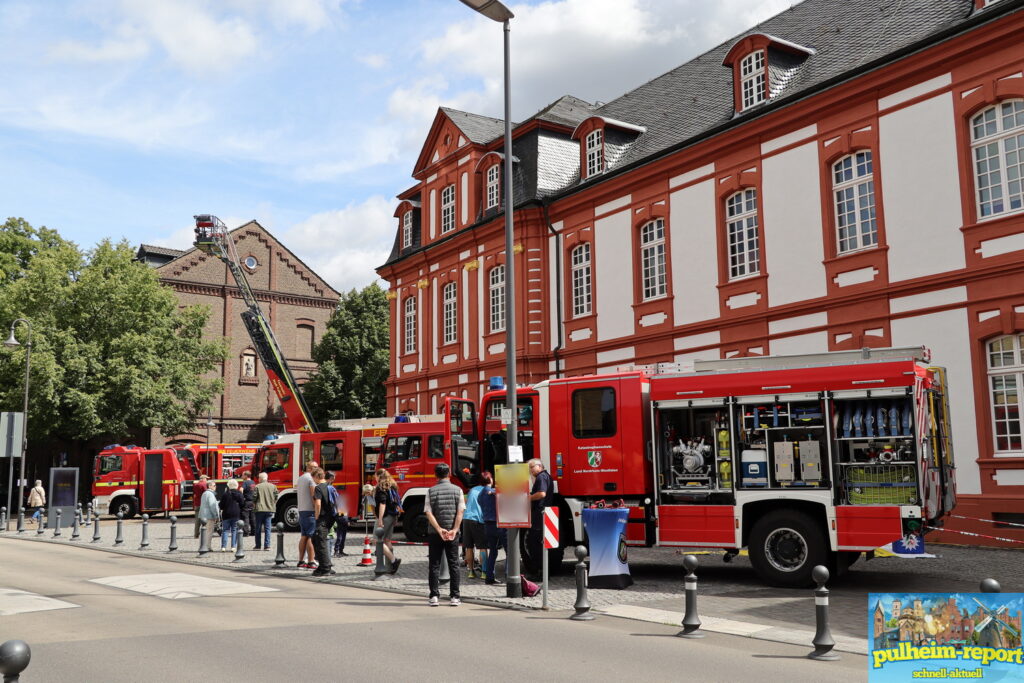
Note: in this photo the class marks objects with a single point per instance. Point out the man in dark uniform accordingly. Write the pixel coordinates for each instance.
(540, 498)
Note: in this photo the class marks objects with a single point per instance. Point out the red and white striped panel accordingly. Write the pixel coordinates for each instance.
(550, 528)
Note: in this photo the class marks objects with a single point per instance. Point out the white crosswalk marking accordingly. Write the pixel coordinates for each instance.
(14, 601)
(178, 585)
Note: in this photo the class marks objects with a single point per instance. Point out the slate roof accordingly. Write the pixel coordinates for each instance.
(477, 129)
(566, 111)
(160, 251)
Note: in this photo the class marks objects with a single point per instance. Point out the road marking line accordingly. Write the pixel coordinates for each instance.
(14, 601)
(178, 585)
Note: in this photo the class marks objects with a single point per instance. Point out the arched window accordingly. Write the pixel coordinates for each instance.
(997, 138)
(304, 341)
(497, 298)
(743, 236)
(450, 314)
(853, 187)
(407, 229)
(652, 259)
(752, 79)
(1006, 382)
(410, 324)
(448, 209)
(595, 152)
(493, 186)
(581, 296)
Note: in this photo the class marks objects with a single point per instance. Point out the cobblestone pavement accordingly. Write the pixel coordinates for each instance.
(726, 590)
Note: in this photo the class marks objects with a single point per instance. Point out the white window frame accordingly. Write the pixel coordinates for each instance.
(997, 151)
(1004, 359)
(743, 234)
(580, 275)
(409, 323)
(753, 80)
(493, 186)
(853, 201)
(407, 229)
(496, 298)
(448, 209)
(450, 299)
(653, 266)
(595, 152)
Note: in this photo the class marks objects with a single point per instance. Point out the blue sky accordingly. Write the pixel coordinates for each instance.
(123, 118)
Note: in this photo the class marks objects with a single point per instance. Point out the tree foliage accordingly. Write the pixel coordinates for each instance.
(111, 351)
(353, 357)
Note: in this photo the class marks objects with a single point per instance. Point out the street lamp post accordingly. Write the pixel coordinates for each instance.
(210, 424)
(495, 10)
(12, 343)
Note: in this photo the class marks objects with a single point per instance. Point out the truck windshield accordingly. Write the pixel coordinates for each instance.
(109, 463)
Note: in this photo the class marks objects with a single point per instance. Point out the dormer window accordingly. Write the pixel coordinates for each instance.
(448, 209)
(407, 229)
(595, 152)
(493, 186)
(752, 79)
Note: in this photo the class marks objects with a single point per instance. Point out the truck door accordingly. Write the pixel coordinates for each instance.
(153, 481)
(939, 472)
(593, 454)
(461, 441)
(339, 453)
(403, 459)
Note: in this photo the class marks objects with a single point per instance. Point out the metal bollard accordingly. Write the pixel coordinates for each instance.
(42, 524)
(822, 642)
(204, 539)
(691, 622)
(3, 519)
(443, 576)
(145, 533)
(990, 586)
(74, 525)
(239, 535)
(174, 535)
(56, 530)
(88, 514)
(14, 658)
(96, 529)
(78, 512)
(582, 605)
(21, 520)
(280, 559)
(119, 537)
(381, 567)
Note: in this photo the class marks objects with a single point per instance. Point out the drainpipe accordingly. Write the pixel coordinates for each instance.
(558, 286)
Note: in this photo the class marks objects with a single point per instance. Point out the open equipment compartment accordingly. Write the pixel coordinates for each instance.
(695, 460)
(782, 441)
(875, 446)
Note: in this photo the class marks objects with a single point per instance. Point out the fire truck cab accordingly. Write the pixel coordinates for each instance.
(132, 480)
(221, 461)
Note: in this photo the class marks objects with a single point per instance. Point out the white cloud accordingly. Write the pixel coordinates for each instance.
(375, 61)
(344, 246)
(111, 50)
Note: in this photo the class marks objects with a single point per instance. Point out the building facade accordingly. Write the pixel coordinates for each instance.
(843, 175)
(297, 302)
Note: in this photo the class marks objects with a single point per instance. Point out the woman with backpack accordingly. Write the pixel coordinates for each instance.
(388, 506)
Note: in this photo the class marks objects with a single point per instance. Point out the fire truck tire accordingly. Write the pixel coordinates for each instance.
(785, 546)
(125, 505)
(288, 513)
(414, 524)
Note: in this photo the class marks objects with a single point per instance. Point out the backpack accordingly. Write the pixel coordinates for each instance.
(396, 501)
(329, 510)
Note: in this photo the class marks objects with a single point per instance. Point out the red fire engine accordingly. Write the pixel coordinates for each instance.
(803, 460)
(223, 460)
(132, 480)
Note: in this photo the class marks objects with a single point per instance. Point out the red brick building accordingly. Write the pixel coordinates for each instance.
(296, 300)
(845, 174)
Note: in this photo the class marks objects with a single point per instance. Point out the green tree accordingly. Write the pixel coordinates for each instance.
(353, 359)
(111, 351)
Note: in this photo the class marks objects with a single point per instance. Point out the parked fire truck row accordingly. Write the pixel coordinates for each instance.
(803, 460)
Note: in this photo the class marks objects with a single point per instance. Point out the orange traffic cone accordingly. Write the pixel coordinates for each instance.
(367, 560)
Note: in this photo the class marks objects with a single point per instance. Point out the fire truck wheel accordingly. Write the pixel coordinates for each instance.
(125, 505)
(785, 546)
(415, 524)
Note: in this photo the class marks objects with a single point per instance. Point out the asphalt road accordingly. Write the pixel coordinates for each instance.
(304, 630)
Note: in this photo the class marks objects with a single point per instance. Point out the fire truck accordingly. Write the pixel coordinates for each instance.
(222, 461)
(343, 452)
(132, 480)
(802, 460)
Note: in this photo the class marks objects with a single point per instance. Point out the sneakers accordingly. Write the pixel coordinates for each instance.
(493, 582)
(456, 602)
(312, 565)
(394, 566)
(302, 565)
(433, 601)
(472, 574)
(328, 572)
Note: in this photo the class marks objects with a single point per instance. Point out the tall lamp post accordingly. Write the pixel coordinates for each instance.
(495, 10)
(12, 343)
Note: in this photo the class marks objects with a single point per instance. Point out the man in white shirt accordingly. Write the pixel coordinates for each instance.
(304, 488)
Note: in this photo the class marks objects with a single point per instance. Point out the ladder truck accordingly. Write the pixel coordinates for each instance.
(212, 237)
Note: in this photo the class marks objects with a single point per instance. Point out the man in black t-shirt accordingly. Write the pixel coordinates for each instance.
(248, 504)
(324, 510)
(540, 498)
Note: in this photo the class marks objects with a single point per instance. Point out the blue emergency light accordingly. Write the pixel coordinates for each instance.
(497, 383)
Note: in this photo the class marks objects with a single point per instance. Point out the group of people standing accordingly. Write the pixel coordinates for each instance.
(248, 507)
